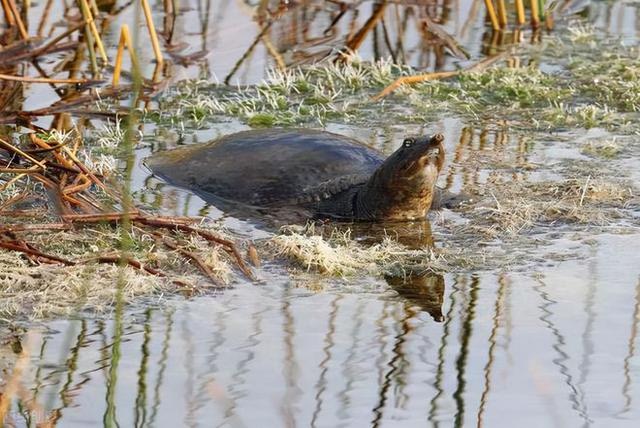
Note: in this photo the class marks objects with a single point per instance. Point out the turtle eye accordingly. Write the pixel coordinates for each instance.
(408, 142)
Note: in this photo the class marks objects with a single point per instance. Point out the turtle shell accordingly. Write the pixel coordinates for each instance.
(272, 167)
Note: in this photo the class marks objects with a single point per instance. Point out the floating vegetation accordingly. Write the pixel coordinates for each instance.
(586, 91)
(338, 254)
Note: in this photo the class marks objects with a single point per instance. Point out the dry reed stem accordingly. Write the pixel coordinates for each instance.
(535, 14)
(502, 14)
(125, 40)
(354, 42)
(191, 255)
(26, 79)
(17, 150)
(46, 227)
(8, 14)
(44, 17)
(59, 37)
(18, 19)
(266, 40)
(415, 79)
(520, 12)
(152, 31)
(32, 170)
(94, 30)
(492, 14)
(33, 252)
(481, 65)
(10, 182)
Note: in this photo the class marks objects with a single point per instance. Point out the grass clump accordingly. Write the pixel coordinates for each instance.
(516, 207)
(338, 254)
(36, 290)
(607, 149)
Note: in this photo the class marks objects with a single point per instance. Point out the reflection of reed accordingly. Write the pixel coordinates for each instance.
(162, 366)
(587, 341)
(191, 399)
(498, 315)
(381, 336)
(439, 377)
(396, 368)
(109, 418)
(465, 338)
(631, 352)
(352, 354)
(292, 391)
(558, 347)
(141, 397)
(321, 384)
(242, 368)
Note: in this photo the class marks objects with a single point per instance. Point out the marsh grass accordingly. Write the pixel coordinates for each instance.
(43, 290)
(507, 214)
(583, 87)
(515, 208)
(336, 253)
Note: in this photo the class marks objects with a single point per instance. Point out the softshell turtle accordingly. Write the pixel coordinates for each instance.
(325, 174)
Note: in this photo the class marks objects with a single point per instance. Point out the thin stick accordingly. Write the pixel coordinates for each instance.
(32, 252)
(56, 39)
(535, 14)
(13, 180)
(520, 12)
(439, 75)
(20, 170)
(191, 255)
(354, 43)
(21, 153)
(16, 15)
(492, 14)
(584, 190)
(131, 262)
(152, 31)
(415, 79)
(94, 30)
(274, 52)
(44, 80)
(35, 227)
(44, 17)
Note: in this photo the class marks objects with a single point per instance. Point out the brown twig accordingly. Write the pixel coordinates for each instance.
(206, 270)
(481, 65)
(32, 252)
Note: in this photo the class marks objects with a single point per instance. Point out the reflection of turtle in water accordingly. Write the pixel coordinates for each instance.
(323, 174)
(424, 289)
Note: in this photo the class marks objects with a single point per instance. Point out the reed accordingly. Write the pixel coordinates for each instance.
(86, 13)
(8, 14)
(18, 20)
(520, 18)
(152, 31)
(535, 14)
(125, 40)
(502, 14)
(491, 11)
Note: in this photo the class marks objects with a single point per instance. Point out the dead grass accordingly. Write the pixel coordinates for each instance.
(338, 254)
(513, 208)
(33, 290)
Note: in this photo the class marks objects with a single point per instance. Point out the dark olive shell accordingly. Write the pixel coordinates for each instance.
(267, 167)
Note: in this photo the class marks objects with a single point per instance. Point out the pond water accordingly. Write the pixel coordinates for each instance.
(549, 342)
(556, 346)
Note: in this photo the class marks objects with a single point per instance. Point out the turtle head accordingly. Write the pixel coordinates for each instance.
(402, 188)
